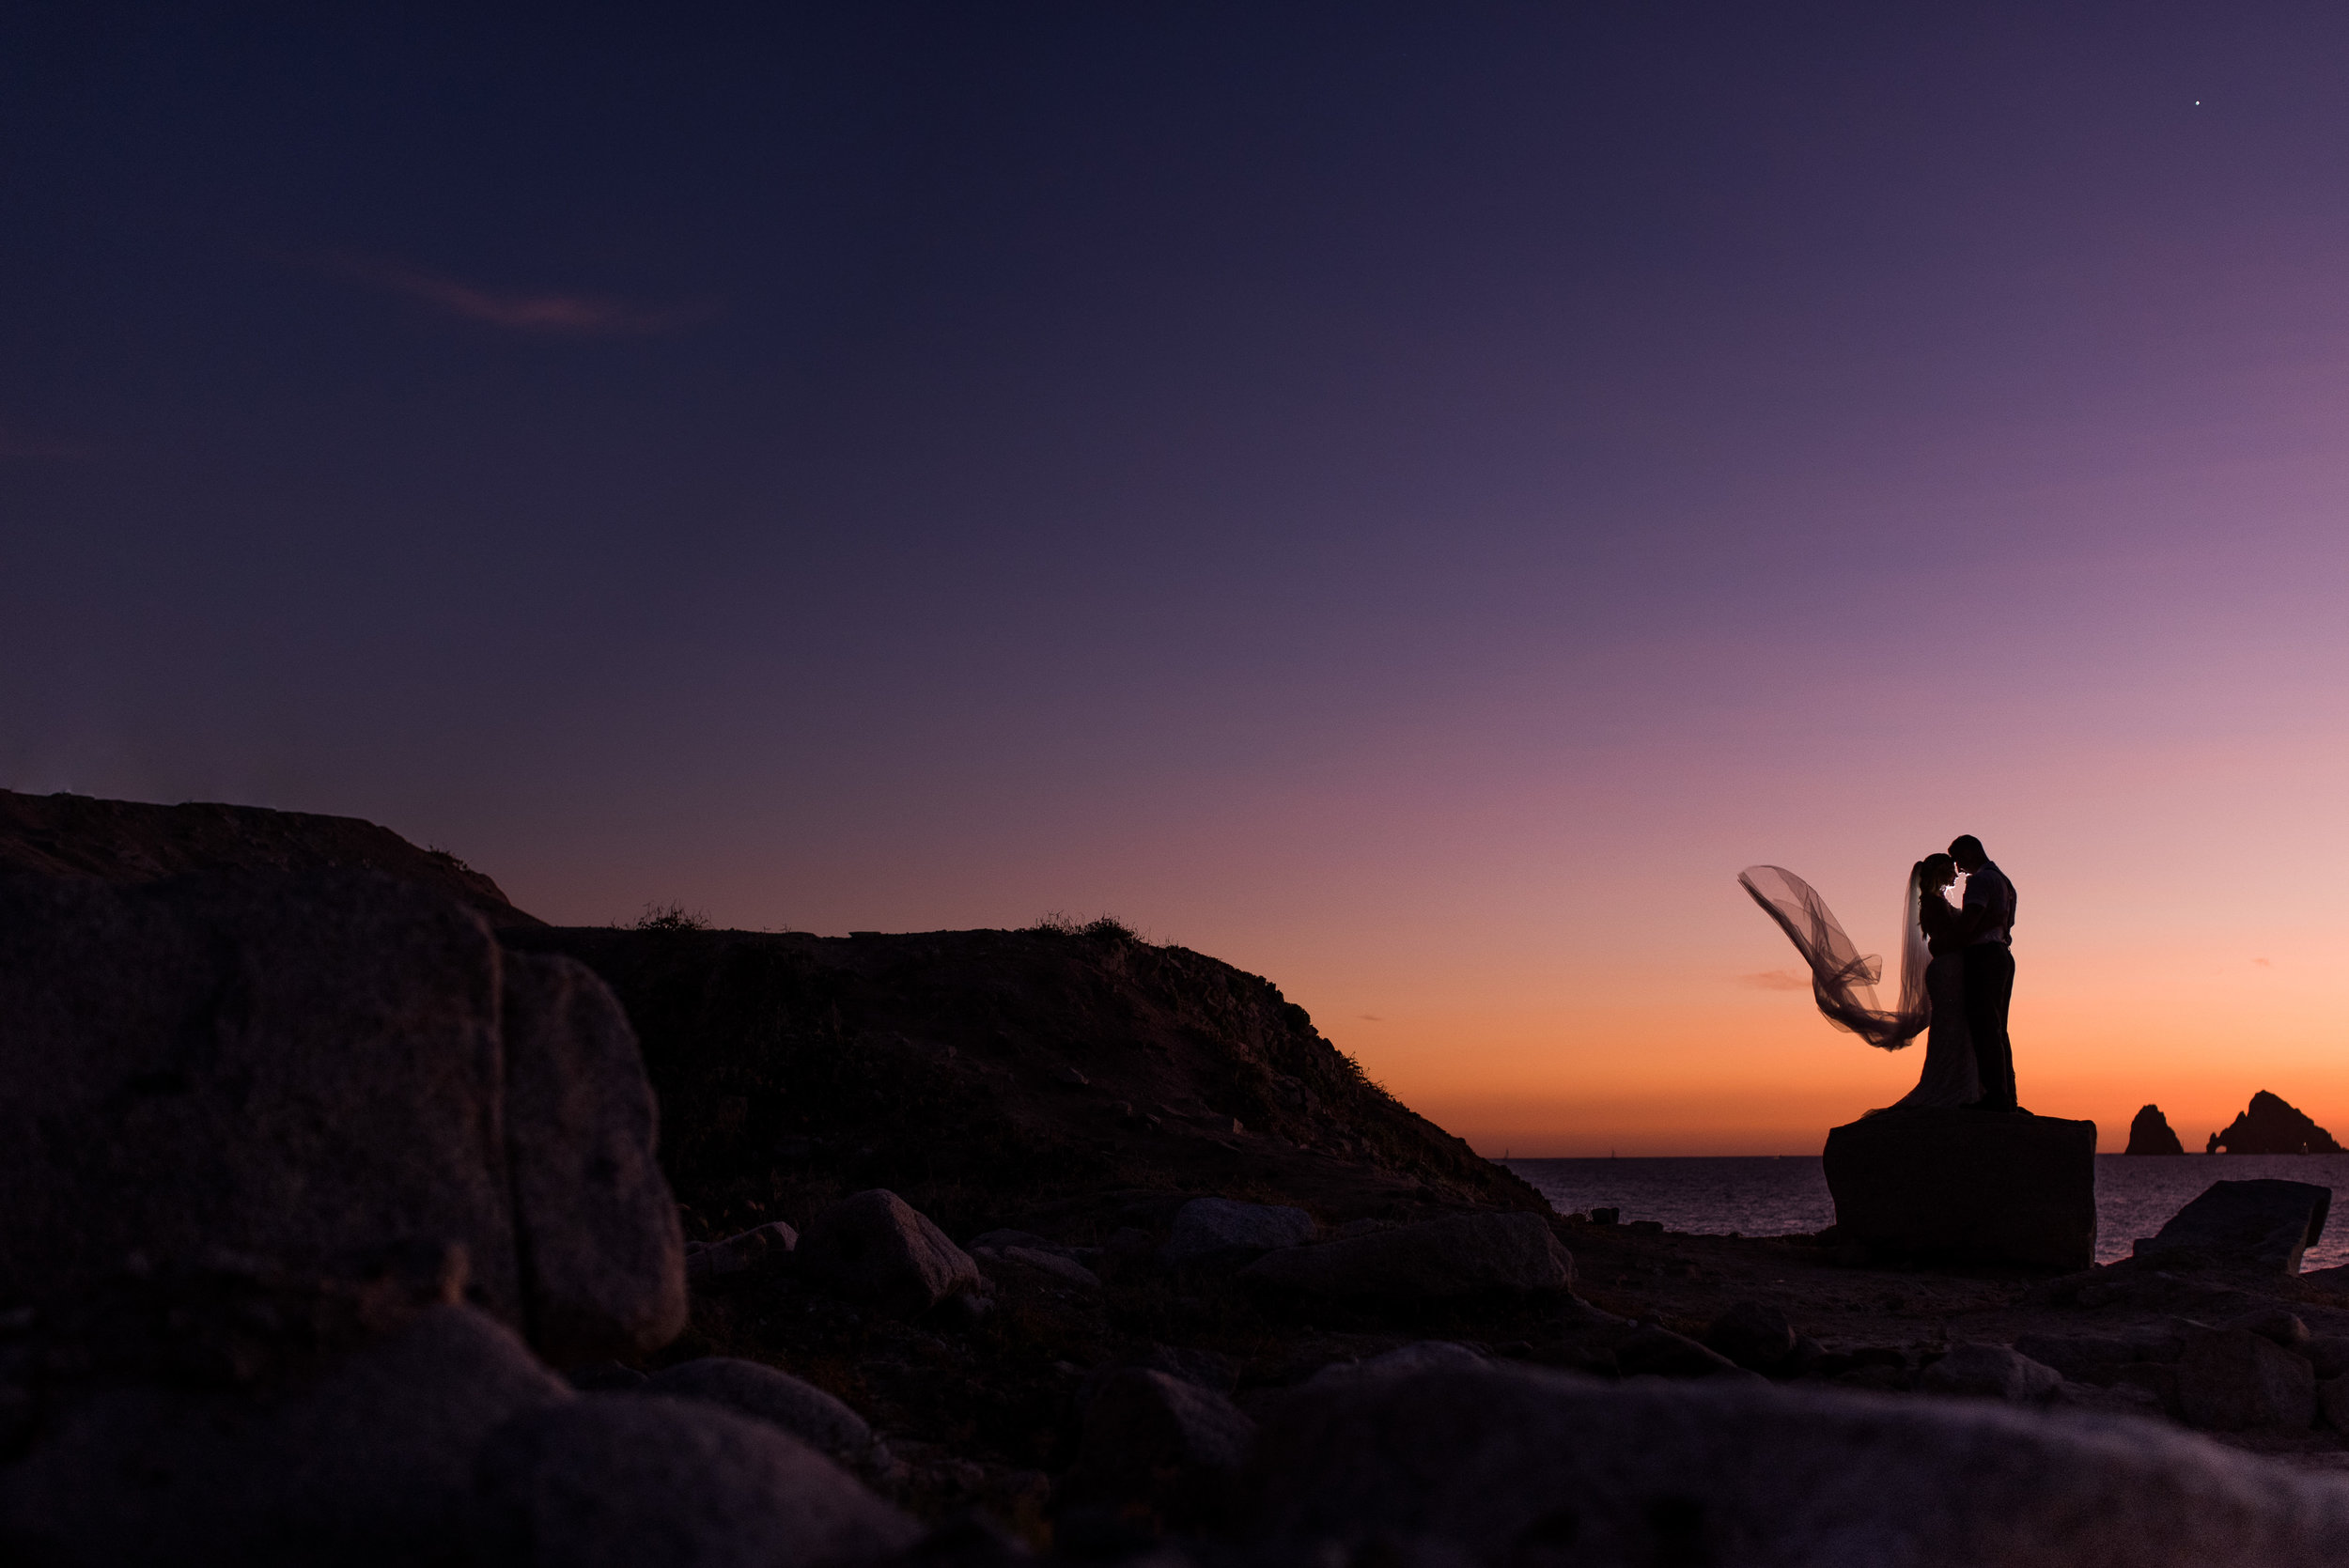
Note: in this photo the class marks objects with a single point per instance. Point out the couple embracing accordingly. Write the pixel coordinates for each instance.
(1957, 973)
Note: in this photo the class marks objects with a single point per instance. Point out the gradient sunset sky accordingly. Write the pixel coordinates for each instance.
(1406, 499)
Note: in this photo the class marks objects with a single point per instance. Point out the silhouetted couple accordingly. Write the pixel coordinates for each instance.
(1957, 973)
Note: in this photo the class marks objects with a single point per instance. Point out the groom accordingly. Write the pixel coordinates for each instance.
(1986, 931)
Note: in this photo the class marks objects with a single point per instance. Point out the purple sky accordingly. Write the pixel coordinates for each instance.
(1408, 499)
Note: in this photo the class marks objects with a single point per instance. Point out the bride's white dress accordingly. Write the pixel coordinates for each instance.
(1949, 1078)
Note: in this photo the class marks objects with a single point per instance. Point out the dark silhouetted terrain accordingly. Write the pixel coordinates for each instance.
(132, 841)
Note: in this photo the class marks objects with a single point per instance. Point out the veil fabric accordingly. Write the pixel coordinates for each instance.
(1843, 981)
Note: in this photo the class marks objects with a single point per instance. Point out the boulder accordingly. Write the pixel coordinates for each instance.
(874, 1246)
(597, 1228)
(2233, 1380)
(313, 1073)
(301, 1069)
(738, 1254)
(369, 1463)
(1461, 1255)
(2150, 1134)
(2265, 1224)
(1517, 1465)
(1991, 1371)
(1968, 1184)
(2089, 1357)
(746, 1387)
(1159, 1444)
(1753, 1334)
(615, 1481)
(1209, 1228)
(2268, 1126)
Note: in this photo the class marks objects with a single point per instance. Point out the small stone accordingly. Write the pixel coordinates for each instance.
(2272, 1323)
(1665, 1354)
(874, 1246)
(1159, 1444)
(1211, 1228)
(2328, 1354)
(738, 1254)
(1462, 1254)
(1753, 1334)
(1425, 1356)
(746, 1387)
(1991, 1371)
(1058, 1265)
(2233, 1380)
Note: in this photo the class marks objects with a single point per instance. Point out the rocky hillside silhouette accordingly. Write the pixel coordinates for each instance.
(132, 841)
(2150, 1134)
(996, 1077)
(2270, 1127)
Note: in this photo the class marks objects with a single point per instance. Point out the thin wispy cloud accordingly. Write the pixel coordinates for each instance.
(552, 315)
(1776, 980)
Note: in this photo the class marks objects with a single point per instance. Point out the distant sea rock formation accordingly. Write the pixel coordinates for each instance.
(2150, 1134)
(2270, 1127)
(127, 842)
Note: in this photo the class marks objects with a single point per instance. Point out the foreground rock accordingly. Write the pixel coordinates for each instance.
(2268, 1126)
(2265, 1225)
(875, 1247)
(2150, 1134)
(370, 1463)
(317, 1071)
(628, 1480)
(1967, 1185)
(1510, 1465)
(1464, 1254)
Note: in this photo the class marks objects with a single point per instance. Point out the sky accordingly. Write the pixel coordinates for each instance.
(1409, 500)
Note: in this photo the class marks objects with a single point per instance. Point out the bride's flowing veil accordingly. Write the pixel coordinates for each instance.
(1843, 981)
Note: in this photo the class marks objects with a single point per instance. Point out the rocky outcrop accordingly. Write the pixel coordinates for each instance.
(318, 1074)
(2150, 1134)
(2265, 1225)
(2234, 1380)
(1465, 1254)
(2270, 1127)
(129, 840)
(1966, 1184)
(875, 1247)
(1511, 1465)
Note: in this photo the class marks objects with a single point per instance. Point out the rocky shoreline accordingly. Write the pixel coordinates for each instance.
(349, 1224)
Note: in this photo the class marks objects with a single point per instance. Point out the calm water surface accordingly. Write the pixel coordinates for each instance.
(1766, 1196)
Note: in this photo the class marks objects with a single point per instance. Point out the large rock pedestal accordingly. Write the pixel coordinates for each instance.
(1966, 1184)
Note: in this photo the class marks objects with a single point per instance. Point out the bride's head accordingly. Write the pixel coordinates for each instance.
(1935, 873)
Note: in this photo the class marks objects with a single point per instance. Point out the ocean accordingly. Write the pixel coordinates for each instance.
(1780, 1195)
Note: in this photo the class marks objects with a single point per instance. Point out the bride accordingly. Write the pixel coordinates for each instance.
(1932, 980)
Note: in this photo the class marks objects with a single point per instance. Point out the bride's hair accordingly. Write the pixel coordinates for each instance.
(1935, 871)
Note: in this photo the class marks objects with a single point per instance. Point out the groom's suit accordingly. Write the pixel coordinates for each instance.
(1990, 983)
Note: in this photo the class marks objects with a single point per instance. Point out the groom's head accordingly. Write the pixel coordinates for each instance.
(1966, 849)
